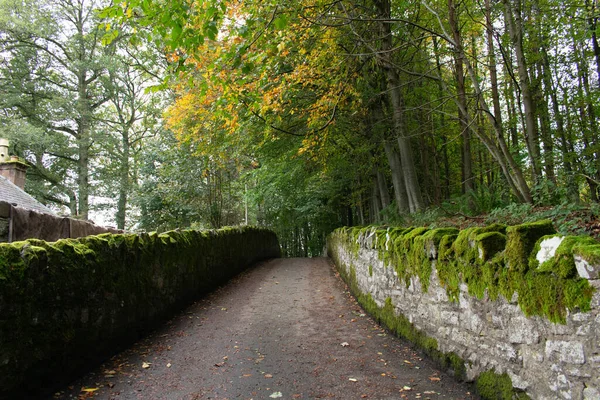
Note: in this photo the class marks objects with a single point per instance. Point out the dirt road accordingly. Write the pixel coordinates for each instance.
(286, 329)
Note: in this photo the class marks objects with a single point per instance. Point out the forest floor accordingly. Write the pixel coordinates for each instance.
(568, 219)
(288, 329)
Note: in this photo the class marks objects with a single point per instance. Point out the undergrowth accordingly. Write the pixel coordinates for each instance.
(568, 218)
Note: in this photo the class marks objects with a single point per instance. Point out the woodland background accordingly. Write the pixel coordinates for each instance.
(306, 115)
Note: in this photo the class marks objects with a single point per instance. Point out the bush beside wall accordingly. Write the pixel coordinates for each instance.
(516, 309)
(76, 301)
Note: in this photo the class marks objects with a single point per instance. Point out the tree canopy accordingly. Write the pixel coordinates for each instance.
(309, 114)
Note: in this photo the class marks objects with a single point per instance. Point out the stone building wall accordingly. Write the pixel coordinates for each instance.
(543, 359)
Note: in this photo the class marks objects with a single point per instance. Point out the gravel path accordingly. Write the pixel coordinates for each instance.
(286, 329)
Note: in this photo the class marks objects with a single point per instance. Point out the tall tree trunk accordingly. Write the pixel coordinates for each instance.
(442, 121)
(539, 93)
(375, 202)
(413, 189)
(123, 180)
(592, 26)
(514, 24)
(467, 165)
(384, 194)
(397, 177)
(510, 169)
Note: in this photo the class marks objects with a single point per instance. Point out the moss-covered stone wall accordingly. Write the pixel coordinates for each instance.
(75, 301)
(517, 309)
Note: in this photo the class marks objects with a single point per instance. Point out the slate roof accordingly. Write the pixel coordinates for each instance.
(11, 193)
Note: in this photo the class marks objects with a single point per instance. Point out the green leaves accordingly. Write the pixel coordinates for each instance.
(281, 22)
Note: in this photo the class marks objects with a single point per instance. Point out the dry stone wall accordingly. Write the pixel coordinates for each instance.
(483, 326)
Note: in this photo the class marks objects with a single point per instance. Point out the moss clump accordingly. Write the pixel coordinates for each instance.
(370, 270)
(400, 253)
(493, 386)
(521, 240)
(445, 247)
(489, 244)
(563, 263)
(423, 250)
(465, 246)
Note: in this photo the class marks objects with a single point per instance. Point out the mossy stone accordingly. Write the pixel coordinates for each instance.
(489, 244)
(493, 386)
(521, 240)
(563, 263)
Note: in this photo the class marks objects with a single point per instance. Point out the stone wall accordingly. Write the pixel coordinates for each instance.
(515, 309)
(69, 304)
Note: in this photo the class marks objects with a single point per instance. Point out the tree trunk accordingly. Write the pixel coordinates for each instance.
(467, 165)
(397, 178)
(375, 202)
(442, 122)
(513, 20)
(411, 182)
(383, 189)
(123, 180)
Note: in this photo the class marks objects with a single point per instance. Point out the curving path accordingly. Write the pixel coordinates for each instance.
(286, 329)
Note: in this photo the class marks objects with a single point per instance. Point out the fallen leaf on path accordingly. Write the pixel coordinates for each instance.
(89, 390)
(223, 308)
(353, 379)
(276, 395)
(407, 388)
(247, 375)
(344, 344)
(434, 379)
(407, 362)
(169, 365)
(268, 376)
(146, 365)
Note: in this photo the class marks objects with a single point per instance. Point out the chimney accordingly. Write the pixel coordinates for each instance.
(10, 167)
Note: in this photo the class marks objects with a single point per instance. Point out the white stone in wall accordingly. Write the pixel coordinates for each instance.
(521, 330)
(517, 381)
(584, 269)
(591, 394)
(450, 317)
(548, 248)
(568, 352)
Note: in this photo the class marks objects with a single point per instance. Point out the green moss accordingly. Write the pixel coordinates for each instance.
(71, 301)
(465, 246)
(445, 247)
(588, 251)
(562, 264)
(423, 251)
(370, 270)
(493, 386)
(489, 244)
(521, 240)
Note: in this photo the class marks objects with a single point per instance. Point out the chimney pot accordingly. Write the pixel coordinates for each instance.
(11, 167)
